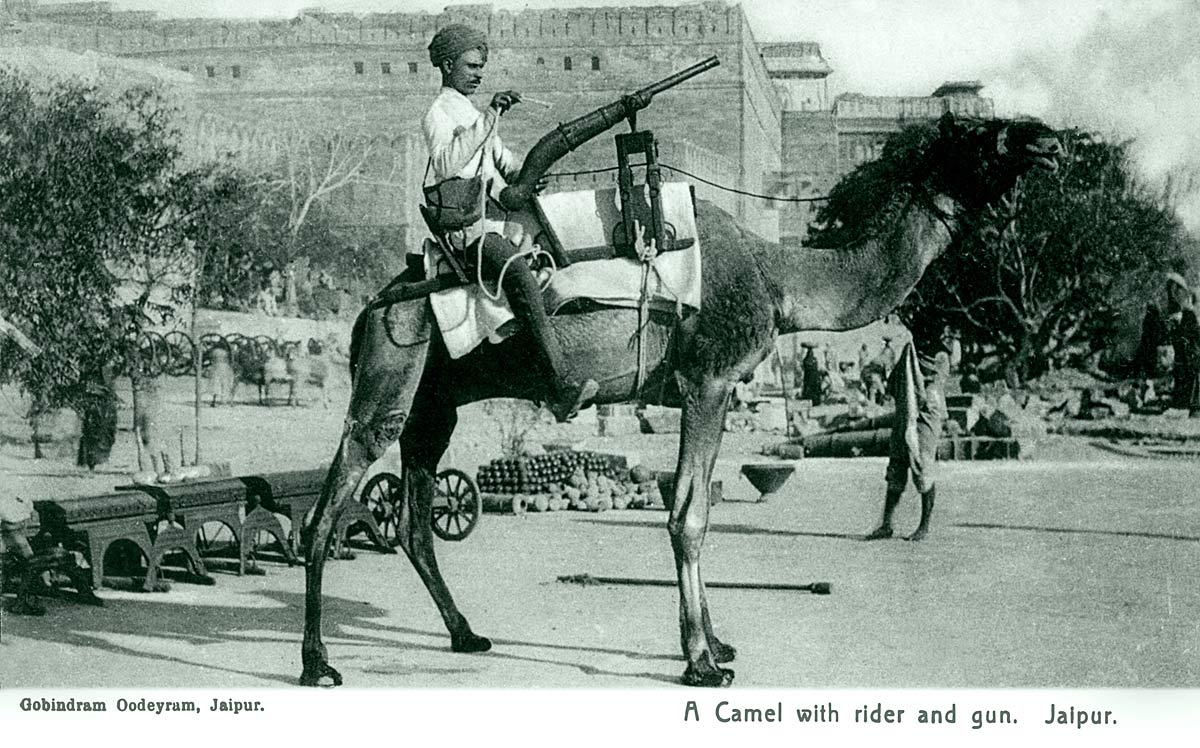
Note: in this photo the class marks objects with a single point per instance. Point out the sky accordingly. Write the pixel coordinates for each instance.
(1129, 69)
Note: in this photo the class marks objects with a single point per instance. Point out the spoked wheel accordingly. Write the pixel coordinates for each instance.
(179, 353)
(456, 505)
(153, 356)
(382, 495)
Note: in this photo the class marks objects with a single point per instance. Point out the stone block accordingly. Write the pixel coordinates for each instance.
(660, 420)
(624, 410)
(617, 425)
(964, 417)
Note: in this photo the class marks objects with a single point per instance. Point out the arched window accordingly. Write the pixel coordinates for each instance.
(541, 60)
(566, 63)
(595, 62)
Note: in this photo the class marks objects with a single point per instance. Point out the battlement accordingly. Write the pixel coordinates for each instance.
(128, 32)
(795, 60)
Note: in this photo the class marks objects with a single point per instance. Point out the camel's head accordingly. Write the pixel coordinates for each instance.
(979, 160)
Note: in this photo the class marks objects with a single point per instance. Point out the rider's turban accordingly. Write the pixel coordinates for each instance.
(453, 40)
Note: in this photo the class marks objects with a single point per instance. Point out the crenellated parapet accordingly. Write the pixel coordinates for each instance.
(97, 26)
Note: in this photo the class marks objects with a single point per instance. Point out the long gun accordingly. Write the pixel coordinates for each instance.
(570, 135)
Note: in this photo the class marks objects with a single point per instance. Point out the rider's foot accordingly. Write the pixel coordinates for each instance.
(571, 398)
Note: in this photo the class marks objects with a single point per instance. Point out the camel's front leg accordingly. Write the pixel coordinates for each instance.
(703, 424)
(424, 441)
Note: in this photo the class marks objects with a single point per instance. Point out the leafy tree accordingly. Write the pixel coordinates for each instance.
(91, 232)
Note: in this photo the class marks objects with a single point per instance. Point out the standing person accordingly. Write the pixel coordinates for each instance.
(1181, 305)
(813, 385)
(917, 384)
(464, 143)
(15, 550)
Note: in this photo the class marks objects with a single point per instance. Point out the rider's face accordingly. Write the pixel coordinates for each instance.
(465, 73)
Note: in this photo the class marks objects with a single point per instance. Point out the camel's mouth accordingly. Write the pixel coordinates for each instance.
(1044, 154)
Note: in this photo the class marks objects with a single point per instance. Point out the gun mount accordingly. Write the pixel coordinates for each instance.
(570, 135)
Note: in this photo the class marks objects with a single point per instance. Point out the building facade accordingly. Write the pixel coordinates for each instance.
(762, 122)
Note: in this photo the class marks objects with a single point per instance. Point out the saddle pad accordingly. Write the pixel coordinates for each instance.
(591, 218)
(465, 315)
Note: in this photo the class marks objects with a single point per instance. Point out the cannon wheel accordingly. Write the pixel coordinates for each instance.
(266, 344)
(153, 356)
(179, 352)
(382, 494)
(456, 505)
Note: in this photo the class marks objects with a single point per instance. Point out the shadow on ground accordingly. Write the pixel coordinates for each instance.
(348, 624)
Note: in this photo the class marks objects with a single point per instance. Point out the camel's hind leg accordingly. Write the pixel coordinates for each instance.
(349, 465)
(424, 441)
(703, 424)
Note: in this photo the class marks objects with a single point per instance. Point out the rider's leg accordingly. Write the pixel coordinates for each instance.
(525, 298)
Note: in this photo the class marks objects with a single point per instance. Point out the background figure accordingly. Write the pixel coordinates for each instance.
(888, 357)
(1185, 339)
(1187, 353)
(813, 382)
(148, 413)
(96, 404)
(221, 377)
(1145, 359)
(917, 385)
(264, 302)
(17, 554)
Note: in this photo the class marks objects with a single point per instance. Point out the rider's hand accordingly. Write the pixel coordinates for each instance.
(504, 100)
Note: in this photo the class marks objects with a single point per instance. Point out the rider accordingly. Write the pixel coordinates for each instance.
(458, 137)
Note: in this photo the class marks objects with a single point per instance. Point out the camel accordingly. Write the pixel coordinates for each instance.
(406, 387)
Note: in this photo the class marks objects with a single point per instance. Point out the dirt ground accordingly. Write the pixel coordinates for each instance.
(1074, 569)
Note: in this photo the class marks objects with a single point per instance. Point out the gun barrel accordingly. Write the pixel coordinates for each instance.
(674, 80)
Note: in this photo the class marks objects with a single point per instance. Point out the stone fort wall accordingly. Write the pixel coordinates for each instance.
(370, 77)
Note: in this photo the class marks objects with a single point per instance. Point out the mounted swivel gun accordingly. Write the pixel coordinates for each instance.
(570, 135)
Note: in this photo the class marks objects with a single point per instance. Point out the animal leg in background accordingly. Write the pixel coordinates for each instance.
(704, 410)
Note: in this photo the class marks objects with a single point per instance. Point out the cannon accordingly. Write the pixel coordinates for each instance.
(570, 135)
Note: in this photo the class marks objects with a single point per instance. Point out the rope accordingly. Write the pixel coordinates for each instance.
(677, 170)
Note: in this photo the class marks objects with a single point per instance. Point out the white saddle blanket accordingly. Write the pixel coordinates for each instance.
(583, 219)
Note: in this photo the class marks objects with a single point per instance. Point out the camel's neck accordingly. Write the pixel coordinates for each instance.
(848, 287)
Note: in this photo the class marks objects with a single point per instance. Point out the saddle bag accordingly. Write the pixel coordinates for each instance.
(455, 203)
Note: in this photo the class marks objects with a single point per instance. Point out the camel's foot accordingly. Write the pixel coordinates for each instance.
(882, 532)
(919, 534)
(707, 677)
(721, 651)
(320, 673)
(469, 642)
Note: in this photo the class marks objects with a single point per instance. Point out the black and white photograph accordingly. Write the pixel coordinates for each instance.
(593, 370)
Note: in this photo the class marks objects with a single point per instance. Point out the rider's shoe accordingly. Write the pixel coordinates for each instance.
(571, 398)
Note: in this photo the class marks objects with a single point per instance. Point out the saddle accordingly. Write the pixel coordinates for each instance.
(573, 227)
